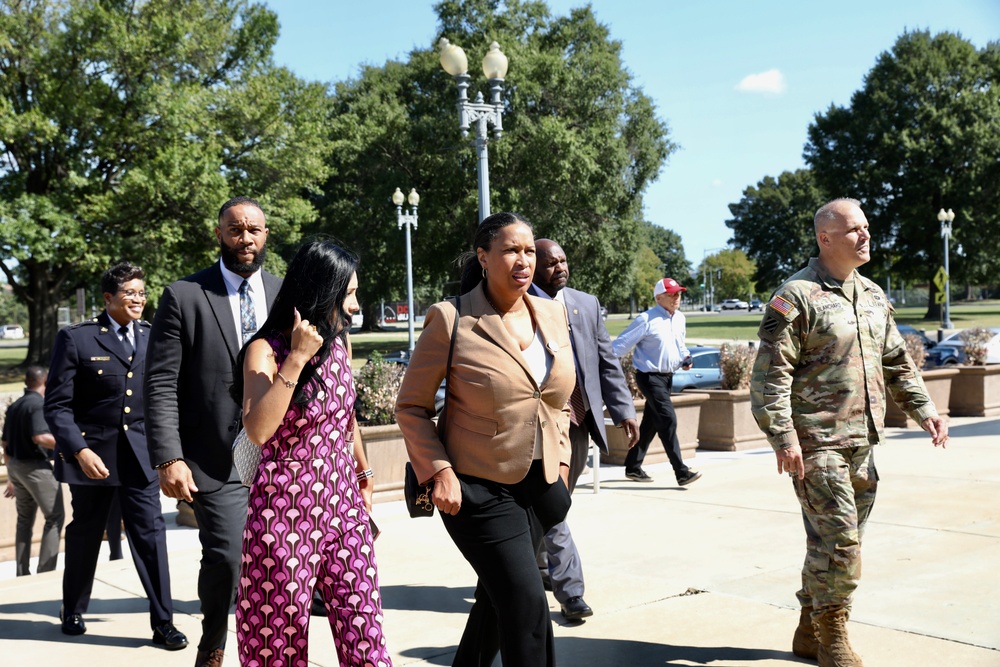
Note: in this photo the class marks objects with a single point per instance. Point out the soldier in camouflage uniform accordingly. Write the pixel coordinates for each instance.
(828, 351)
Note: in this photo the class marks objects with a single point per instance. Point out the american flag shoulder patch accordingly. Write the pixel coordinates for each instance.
(781, 305)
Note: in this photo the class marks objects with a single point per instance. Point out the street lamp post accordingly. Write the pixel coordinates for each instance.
(479, 112)
(946, 218)
(407, 220)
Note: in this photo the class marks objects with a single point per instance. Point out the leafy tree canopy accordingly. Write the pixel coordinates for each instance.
(731, 276)
(773, 225)
(123, 128)
(581, 144)
(922, 134)
(669, 248)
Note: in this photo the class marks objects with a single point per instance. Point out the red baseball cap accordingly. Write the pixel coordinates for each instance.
(668, 285)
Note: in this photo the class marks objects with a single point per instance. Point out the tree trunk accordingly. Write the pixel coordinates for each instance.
(43, 312)
(933, 308)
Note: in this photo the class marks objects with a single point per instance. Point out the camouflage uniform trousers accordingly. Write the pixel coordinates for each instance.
(836, 496)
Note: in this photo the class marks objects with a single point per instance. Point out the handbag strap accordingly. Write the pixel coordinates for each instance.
(447, 371)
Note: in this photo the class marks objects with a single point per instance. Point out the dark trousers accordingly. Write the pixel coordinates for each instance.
(221, 517)
(144, 525)
(498, 530)
(658, 418)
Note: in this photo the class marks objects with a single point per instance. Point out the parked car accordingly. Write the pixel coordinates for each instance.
(604, 313)
(735, 304)
(704, 372)
(755, 304)
(951, 351)
(11, 331)
(906, 329)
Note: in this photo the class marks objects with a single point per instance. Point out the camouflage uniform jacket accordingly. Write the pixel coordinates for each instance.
(824, 362)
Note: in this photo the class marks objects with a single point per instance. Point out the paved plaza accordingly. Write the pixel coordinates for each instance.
(699, 576)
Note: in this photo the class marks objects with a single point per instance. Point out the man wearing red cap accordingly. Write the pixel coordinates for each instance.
(658, 338)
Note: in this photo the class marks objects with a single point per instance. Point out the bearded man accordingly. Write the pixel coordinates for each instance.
(200, 325)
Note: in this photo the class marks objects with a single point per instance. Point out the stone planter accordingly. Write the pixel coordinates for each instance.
(975, 391)
(726, 422)
(386, 454)
(938, 383)
(686, 405)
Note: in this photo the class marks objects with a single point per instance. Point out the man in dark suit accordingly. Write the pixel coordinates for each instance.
(93, 404)
(200, 325)
(600, 381)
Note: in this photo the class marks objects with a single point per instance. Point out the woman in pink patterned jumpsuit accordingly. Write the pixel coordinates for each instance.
(307, 524)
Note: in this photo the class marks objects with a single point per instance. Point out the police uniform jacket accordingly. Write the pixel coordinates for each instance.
(825, 362)
(94, 394)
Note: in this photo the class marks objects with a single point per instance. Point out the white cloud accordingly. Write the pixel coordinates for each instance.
(771, 81)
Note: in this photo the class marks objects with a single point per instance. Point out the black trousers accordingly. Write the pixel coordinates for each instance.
(658, 418)
(221, 516)
(498, 530)
(144, 525)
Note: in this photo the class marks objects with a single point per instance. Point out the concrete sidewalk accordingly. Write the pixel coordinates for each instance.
(698, 576)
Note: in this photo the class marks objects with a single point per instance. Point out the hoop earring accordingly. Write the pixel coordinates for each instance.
(484, 273)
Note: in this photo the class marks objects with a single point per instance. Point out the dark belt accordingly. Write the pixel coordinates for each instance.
(662, 375)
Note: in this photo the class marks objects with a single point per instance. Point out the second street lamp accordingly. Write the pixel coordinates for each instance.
(407, 220)
(479, 112)
(946, 218)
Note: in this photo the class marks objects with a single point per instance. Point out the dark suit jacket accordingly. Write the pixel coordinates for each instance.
(494, 402)
(93, 395)
(189, 370)
(602, 379)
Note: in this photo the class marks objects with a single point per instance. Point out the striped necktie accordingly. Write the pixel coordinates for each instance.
(248, 316)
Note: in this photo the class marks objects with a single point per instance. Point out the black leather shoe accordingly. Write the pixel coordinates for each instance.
(72, 624)
(169, 637)
(688, 477)
(575, 609)
(638, 475)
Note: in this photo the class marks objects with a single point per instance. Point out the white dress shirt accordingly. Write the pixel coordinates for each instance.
(233, 282)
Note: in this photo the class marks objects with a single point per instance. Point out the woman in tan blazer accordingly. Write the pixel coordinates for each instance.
(499, 474)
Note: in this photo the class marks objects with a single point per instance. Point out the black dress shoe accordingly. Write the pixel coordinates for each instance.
(169, 637)
(72, 624)
(575, 609)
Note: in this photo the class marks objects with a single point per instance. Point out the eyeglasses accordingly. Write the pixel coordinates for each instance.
(131, 294)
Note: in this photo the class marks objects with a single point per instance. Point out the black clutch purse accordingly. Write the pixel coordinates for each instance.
(417, 496)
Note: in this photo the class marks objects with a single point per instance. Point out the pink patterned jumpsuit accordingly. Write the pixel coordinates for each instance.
(307, 526)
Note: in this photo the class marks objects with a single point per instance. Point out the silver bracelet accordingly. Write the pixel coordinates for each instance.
(288, 383)
(365, 474)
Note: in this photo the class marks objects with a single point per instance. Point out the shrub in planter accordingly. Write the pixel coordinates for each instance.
(377, 384)
(976, 341)
(736, 364)
(916, 349)
(629, 371)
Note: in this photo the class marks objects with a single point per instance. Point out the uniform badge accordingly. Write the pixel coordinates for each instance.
(100, 358)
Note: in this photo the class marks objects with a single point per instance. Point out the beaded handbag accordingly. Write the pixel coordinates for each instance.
(246, 457)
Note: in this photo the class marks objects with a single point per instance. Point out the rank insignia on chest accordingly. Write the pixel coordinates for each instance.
(100, 358)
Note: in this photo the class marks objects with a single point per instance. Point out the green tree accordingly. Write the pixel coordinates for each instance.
(773, 225)
(124, 126)
(669, 248)
(733, 274)
(647, 272)
(581, 144)
(922, 134)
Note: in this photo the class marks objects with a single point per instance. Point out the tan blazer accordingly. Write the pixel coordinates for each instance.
(493, 401)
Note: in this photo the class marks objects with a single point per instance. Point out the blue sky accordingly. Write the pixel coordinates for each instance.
(738, 83)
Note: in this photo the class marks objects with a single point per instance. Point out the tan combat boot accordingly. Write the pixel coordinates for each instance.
(834, 649)
(804, 642)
